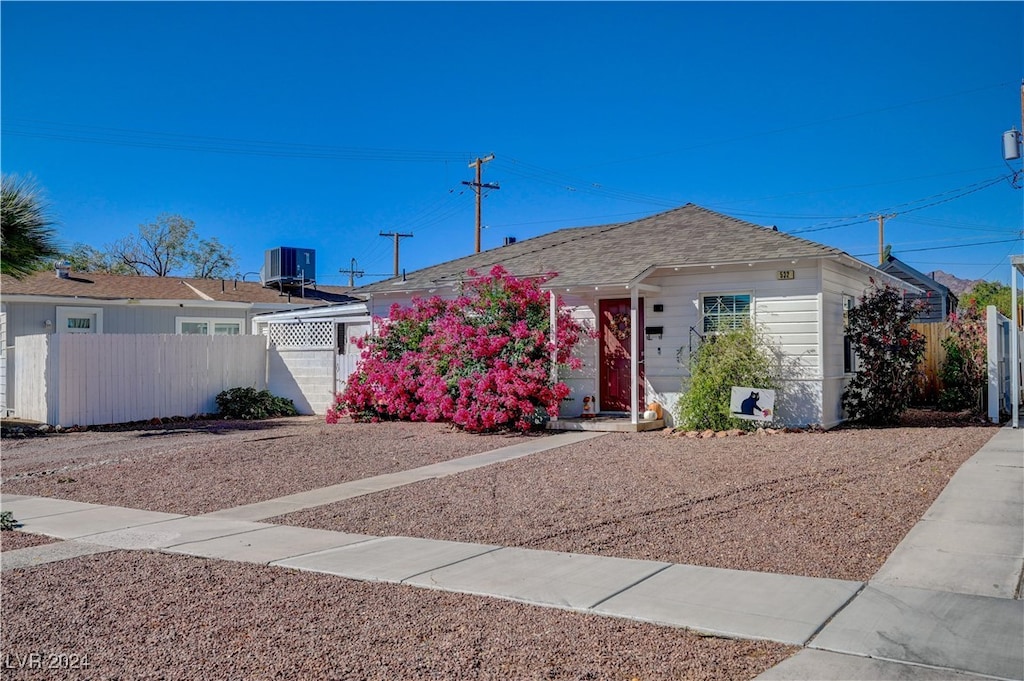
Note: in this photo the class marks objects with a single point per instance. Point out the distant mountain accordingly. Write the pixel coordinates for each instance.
(954, 283)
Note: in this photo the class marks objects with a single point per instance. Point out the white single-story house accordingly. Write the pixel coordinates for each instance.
(654, 287)
(67, 302)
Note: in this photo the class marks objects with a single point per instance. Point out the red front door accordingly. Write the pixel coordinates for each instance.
(615, 354)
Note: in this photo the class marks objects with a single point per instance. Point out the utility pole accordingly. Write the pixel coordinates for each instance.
(881, 236)
(396, 236)
(479, 188)
(352, 273)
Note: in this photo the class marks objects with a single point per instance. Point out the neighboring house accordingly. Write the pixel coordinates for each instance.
(654, 287)
(92, 303)
(938, 299)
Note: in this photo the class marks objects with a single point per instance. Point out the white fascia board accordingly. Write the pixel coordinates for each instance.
(145, 302)
(348, 312)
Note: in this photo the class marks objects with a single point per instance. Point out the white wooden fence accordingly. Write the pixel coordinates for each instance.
(86, 379)
(1001, 399)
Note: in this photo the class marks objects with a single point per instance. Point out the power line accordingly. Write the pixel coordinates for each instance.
(800, 126)
(899, 208)
(478, 188)
(352, 273)
(940, 248)
(396, 237)
(222, 145)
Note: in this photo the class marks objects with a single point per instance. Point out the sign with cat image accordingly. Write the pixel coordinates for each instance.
(754, 404)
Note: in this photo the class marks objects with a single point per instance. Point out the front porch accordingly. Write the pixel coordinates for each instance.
(608, 423)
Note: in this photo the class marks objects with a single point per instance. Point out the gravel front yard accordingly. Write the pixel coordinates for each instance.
(210, 465)
(816, 504)
(822, 504)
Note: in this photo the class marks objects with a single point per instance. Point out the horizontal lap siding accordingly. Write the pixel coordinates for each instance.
(785, 310)
(837, 281)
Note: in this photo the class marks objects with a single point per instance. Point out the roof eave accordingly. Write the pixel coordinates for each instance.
(148, 302)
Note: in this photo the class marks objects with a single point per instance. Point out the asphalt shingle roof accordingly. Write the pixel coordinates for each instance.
(619, 253)
(119, 287)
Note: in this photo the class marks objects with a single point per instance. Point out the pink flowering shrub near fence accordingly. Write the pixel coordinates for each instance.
(481, 361)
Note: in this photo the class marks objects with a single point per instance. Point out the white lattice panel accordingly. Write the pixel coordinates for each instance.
(305, 335)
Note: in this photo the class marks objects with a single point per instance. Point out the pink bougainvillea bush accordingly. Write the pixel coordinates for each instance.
(481, 361)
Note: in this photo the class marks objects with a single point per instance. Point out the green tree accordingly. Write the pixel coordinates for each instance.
(987, 293)
(85, 258)
(739, 357)
(210, 259)
(160, 248)
(27, 235)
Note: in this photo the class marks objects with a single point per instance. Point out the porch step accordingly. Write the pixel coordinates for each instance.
(607, 424)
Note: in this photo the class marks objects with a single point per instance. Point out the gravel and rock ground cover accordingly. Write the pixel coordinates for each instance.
(819, 504)
(12, 540)
(779, 502)
(203, 466)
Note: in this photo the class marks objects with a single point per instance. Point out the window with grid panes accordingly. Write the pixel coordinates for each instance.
(724, 311)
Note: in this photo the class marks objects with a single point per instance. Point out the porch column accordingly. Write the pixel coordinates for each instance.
(634, 355)
(553, 318)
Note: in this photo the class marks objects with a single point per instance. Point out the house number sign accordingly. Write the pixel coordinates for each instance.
(785, 275)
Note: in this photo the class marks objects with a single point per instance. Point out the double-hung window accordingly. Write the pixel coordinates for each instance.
(196, 326)
(722, 312)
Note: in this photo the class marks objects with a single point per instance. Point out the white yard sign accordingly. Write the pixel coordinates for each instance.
(755, 404)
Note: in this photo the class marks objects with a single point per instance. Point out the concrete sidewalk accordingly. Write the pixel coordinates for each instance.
(947, 603)
(926, 615)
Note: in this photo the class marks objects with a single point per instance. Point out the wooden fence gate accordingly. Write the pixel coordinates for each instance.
(929, 385)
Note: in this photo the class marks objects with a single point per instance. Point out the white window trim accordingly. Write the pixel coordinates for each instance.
(210, 322)
(713, 294)
(64, 313)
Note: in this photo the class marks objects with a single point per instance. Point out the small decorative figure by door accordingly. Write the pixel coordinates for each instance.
(588, 407)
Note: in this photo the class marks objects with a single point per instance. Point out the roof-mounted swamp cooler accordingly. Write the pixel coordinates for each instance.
(288, 267)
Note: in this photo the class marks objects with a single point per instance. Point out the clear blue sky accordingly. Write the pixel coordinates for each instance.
(319, 125)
